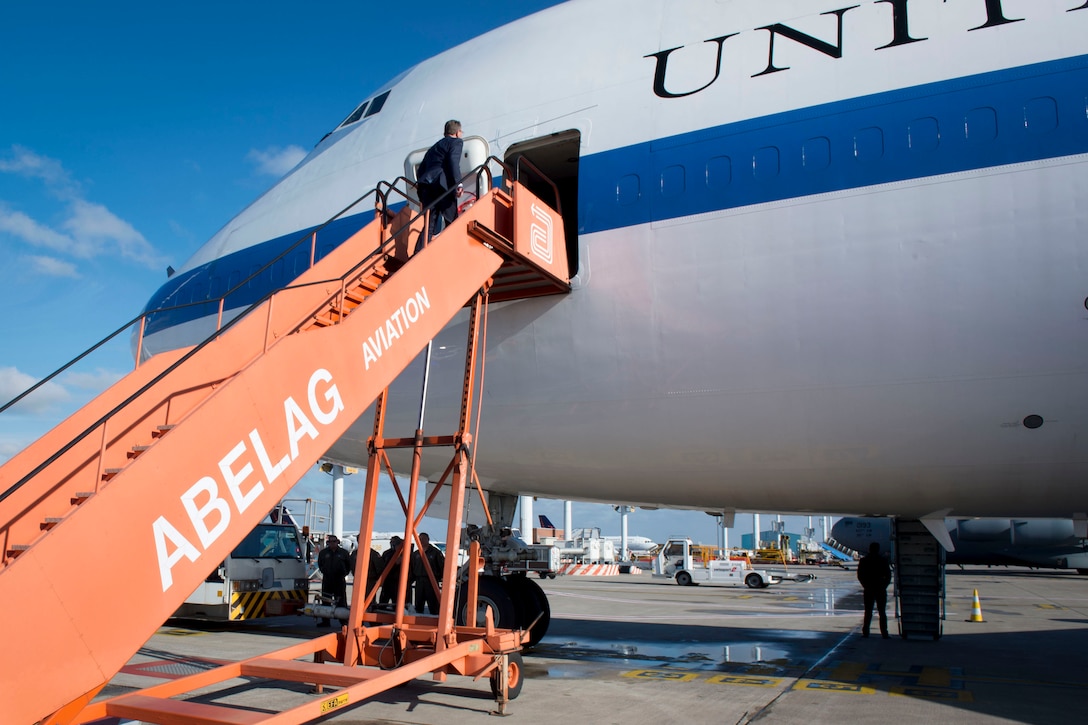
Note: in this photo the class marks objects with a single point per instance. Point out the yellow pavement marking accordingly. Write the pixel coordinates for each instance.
(746, 681)
(180, 632)
(930, 693)
(829, 686)
(849, 671)
(662, 675)
(935, 677)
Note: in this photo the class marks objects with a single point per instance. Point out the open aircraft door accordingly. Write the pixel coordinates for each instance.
(473, 156)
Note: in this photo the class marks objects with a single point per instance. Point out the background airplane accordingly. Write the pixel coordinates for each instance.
(1038, 543)
(635, 544)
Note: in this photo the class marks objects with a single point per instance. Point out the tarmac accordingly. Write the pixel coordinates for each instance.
(632, 649)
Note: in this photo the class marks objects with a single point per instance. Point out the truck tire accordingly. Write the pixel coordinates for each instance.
(754, 581)
(683, 578)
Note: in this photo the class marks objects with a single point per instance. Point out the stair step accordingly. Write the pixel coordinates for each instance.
(161, 430)
(17, 549)
(109, 473)
(136, 451)
(50, 522)
(80, 497)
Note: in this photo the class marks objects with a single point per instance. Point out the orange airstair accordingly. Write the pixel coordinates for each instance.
(166, 471)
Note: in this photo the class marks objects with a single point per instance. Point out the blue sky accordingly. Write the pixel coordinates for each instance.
(132, 131)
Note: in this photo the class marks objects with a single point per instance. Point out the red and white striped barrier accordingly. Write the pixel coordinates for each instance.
(590, 569)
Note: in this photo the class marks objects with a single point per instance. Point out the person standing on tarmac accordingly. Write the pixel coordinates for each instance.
(392, 580)
(374, 570)
(334, 564)
(875, 574)
(425, 593)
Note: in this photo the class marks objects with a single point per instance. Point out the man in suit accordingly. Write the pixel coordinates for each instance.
(425, 593)
(439, 172)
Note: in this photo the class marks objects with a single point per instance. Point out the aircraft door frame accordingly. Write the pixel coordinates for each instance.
(474, 154)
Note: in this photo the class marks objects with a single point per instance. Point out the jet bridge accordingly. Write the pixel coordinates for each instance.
(167, 470)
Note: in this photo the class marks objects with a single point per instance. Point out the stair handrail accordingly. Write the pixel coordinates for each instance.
(536, 170)
(143, 316)
(221, 299)
(220, 328)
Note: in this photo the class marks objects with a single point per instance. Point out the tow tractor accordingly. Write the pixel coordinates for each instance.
(689, 564)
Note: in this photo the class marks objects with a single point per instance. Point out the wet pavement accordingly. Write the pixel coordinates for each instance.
(632, 649)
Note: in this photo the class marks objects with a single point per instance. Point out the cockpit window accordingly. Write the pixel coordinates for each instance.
(356, 114)
(377, 103)
(366, 109)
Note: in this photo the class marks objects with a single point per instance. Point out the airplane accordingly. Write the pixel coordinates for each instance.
(1036, 543)
(825, 256)
(635, 544)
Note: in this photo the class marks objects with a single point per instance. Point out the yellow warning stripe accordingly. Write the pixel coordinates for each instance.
(250, 605)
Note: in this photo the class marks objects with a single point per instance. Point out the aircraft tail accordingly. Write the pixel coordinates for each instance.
(546, 523)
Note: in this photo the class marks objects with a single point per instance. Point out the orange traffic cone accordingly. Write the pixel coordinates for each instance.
(976, 610)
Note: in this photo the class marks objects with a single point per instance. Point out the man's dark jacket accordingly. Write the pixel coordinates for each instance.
(441, 165)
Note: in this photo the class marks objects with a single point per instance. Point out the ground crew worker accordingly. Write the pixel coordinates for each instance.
(425, 593)
(392, 580)
(334, 564)
(374, 570)
(875, 574)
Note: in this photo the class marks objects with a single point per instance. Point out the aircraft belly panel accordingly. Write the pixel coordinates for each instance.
(798, 359)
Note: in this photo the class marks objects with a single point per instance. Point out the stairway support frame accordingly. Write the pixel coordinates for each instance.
(376, 650)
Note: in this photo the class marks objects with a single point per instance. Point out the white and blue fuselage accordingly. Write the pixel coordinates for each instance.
(830, 255)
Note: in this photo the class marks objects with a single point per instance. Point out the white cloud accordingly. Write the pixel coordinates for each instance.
(88, 229)
(10, 445)
(25, 162)
(13, 382)
(276, 161)
(96, 227)
(53, 267)
(95, 382)
(21, 226)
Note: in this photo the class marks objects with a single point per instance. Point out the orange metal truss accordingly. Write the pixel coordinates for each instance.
(169, 469)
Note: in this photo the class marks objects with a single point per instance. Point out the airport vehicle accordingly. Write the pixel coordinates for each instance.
(265, 575)
(681, 560)
(821, 255)
(1037, 543)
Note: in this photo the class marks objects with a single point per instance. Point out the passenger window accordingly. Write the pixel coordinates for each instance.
(869, 144)
(980, 125)
(1041, 115)
(672, 181)
(816, 154)
(719, 172)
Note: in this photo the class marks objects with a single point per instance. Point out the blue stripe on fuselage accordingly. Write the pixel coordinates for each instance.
(993, 119)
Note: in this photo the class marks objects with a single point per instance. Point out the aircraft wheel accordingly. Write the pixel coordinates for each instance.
(515, 677)
(493, 594)
(530, 602)
(754, 581)
(683, 578)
